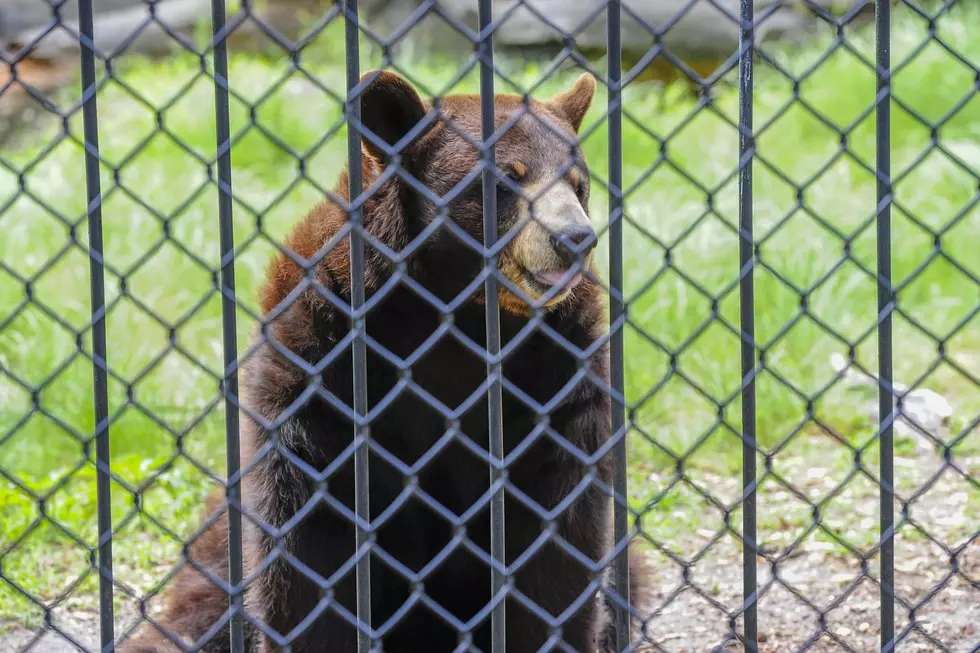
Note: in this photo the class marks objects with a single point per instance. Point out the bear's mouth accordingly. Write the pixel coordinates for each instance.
(547, 280)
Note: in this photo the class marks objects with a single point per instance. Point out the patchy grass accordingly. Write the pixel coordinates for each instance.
(814, 202)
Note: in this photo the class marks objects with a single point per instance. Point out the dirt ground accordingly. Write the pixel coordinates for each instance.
(682, 621)
(820, 597)
(814, 594)
(822, 603)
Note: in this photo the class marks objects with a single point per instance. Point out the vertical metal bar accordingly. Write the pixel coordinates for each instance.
(885, 394)
(229, 385)
(495, 430)
(90, 117)
(746, 149)
(621, 577)
(362, 498)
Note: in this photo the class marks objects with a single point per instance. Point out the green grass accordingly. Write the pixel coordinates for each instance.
(162, 399)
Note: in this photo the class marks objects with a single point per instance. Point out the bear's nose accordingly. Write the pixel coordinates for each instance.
(572, 241)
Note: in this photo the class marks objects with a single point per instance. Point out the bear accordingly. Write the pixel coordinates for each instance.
(428, 460)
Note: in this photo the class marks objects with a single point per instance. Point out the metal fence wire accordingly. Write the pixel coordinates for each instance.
(400, 502)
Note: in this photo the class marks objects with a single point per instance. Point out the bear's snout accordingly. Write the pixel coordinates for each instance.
(573, 241)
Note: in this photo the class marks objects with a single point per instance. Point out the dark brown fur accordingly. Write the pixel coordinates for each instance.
(299, 438)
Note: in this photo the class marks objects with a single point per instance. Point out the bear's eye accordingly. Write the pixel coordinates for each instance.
(515, 172)
(575, 179)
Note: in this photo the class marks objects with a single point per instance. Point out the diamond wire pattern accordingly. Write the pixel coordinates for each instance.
(395, 261)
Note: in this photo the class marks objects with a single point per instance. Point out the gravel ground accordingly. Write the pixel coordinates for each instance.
(817, 595)
(814, 595)
(816, 583)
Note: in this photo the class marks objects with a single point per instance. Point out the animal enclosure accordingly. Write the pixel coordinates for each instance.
(787, 256)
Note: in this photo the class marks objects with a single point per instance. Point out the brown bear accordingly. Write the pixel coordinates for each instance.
(426, 383)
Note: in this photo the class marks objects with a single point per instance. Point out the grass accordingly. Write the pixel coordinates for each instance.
(682, 363)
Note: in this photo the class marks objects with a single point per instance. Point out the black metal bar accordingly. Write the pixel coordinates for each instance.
(495, 429)
(229, 343)
(885, 392)
(746, 148)
(362, 500)
(621, 577)
(103, 486)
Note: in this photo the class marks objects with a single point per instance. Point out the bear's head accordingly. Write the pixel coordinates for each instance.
(542, 184)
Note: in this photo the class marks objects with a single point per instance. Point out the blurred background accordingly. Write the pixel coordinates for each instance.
(700, 34)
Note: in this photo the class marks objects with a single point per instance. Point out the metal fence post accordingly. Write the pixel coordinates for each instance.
(362, 500)
(886, 397)
(229, 343)
(617, 313)
(495, 434)
(746, 150)
(90, 117)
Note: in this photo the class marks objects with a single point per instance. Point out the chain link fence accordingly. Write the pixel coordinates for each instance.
(224, 427)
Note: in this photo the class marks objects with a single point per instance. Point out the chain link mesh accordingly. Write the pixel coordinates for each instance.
(815, 195)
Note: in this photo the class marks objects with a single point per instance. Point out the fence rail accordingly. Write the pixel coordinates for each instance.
(370, 562)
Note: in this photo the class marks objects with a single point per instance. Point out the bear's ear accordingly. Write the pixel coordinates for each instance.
(575, 102)
(390, 108)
